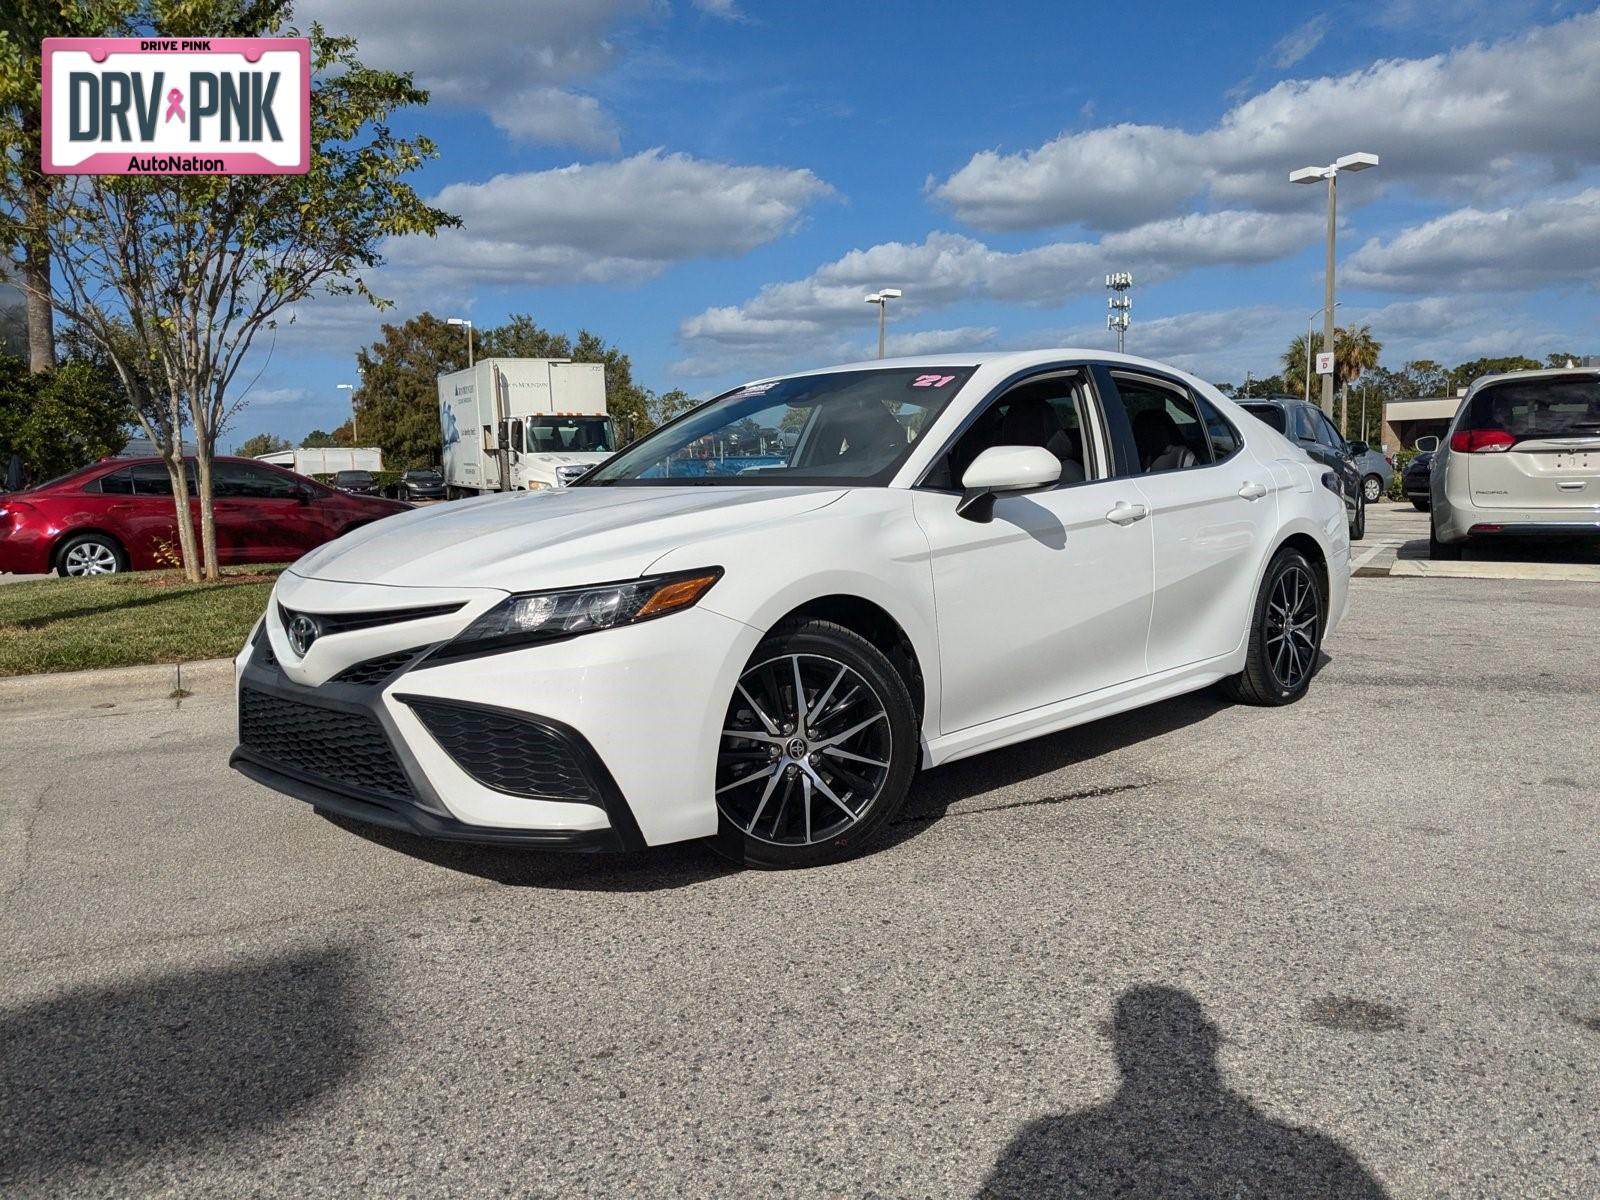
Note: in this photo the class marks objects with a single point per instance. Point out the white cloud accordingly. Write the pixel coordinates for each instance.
(606, 222)
(947, 268)
(1297, 43)
(1539, 244)
(940, 341)
(514, 59)
(727, 10)
(1472, 122)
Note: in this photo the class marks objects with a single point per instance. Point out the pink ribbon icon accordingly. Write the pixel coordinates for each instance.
(175, 105)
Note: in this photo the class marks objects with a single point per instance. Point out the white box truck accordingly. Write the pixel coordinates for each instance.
(326, 460)
(515, 424)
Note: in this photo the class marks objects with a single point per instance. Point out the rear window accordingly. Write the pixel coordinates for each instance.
(1270, 413)
(1537, 408)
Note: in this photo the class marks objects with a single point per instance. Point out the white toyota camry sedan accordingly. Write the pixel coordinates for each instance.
(758, 622)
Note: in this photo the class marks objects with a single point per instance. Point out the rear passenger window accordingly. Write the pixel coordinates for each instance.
(1224, 437)
(1166, 425)
(1271, 414)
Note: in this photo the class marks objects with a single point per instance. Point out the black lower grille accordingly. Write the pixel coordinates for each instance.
(336, 744)
(507, 753)
(374, 670)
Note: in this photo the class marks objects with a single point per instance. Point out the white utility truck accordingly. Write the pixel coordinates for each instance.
(515, 424)
(326, 460)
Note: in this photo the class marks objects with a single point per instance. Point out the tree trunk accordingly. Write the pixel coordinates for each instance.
(36, 275)
(180, 502)
(208, 523)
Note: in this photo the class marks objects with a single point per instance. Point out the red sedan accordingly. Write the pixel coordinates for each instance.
(118, 516)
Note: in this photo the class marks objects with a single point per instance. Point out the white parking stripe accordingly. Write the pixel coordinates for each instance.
(1370, 555)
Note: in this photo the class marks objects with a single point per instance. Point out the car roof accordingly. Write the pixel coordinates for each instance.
(1016, 360)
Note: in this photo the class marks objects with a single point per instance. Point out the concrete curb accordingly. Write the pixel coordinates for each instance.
(1564, 572)
(155, 680)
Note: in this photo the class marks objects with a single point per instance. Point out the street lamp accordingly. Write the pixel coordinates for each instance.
(1350, 162)
(1328, 346)
(345, 387)
(881, 299)
(468, 325)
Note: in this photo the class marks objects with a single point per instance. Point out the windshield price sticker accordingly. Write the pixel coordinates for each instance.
(171, 106)
(934, 381)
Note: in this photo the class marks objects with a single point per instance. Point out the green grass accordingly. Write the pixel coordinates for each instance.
(123, 620)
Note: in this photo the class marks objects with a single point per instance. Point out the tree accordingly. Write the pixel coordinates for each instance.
(58, 421)
(398, 400)
(194, 267)
(1562, 359)
(663, 408)
(319, 439)
(262, 443)
(1463, 375)
(1294, 362)
(1354, 351)
(521, 337)
(25, 190)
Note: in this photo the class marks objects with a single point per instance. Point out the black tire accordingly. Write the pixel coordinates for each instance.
(756, 826)
(1358, 523)
(1372, 489)
(1267, 679)
(86, 554)
(1421, 505)
(1441, 551)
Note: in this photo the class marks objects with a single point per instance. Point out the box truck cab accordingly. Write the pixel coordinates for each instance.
(522, 424)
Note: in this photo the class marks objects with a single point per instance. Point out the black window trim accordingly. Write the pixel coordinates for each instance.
(1170, 383)
(1096, 442)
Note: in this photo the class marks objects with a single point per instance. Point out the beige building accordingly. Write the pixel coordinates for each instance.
(1404, 421)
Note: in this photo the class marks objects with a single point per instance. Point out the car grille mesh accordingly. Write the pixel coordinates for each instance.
(507, 754)
(374, 670)
(329, 623)
(345, 747)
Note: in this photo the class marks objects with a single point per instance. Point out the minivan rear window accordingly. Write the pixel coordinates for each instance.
(1561, 407)
(1270, 413)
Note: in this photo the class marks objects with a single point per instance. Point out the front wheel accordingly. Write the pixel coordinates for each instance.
(90, 554)
(1285, 634)
(817, 751)
(1372, 489)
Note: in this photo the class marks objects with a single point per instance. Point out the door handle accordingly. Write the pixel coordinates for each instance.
(1126, 514)
(1253, 491)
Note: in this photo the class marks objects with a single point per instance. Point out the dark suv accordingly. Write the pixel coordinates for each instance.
(1307, 427)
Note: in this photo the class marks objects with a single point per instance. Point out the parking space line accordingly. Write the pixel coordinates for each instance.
(1369, 556)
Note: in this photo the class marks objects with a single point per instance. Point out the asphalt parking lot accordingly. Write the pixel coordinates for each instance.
(1345, 948)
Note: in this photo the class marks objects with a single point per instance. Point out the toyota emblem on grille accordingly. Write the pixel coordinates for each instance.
(302, 632)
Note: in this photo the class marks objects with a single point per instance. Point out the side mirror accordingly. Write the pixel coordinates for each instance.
(1425, 445)
(1359, 448)
(1000, 470)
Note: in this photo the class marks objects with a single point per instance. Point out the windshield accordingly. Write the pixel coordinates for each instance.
(570, 435)
(842, 427)
(423, 476)
(1559, 407)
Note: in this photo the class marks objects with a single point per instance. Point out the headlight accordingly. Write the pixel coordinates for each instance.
(530, 617)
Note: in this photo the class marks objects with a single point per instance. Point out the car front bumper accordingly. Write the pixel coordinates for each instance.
(614, 733)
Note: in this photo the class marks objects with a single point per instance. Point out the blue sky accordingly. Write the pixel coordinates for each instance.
(714, 186)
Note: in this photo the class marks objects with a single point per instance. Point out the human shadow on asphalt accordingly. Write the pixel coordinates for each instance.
(1173, 1128)
(103, 1076)
(678, 865)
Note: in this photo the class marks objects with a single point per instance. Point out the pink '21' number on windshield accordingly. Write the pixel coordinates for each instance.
(931, 380)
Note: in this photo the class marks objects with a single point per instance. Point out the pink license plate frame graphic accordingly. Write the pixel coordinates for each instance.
(227, 162)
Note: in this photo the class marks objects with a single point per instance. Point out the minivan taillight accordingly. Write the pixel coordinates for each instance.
(1481, 441)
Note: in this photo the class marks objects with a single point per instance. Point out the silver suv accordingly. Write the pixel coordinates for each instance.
(1522, 459)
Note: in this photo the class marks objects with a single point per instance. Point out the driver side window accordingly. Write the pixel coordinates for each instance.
(1048, 413)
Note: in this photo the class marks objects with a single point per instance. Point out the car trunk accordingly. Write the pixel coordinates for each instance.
(1533, 443)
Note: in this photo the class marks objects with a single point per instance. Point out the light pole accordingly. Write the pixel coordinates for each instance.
(345, 387)
(881, 299)
(1119, 304)
(1327, 346)
(468, 325)
(1350, 162)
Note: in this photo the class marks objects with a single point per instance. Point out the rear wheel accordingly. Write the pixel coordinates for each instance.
(1372, 489)
(1421, 505)
(90, 554)
(817, 751)
(1285, 634)
(1358, 523)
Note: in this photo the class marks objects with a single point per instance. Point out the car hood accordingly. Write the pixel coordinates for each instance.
(520, 541)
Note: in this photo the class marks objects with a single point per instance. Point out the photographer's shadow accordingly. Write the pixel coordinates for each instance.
(1173, 1128)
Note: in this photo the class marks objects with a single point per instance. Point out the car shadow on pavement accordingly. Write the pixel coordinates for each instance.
(678, 865)
(99, 1077)
(1174, 1128)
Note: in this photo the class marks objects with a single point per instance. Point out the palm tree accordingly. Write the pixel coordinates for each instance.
(1354, 351)
(1294, 362)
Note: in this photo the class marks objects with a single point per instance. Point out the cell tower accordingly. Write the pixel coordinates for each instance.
(1119, 282)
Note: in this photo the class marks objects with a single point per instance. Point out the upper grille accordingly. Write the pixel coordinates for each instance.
(507, 754)
(339, 745)
(374, 670)
(328, 623)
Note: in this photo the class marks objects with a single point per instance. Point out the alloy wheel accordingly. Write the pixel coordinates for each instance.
(806, 749)
(1294, 611)
(1372, 487)
(91, 558)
